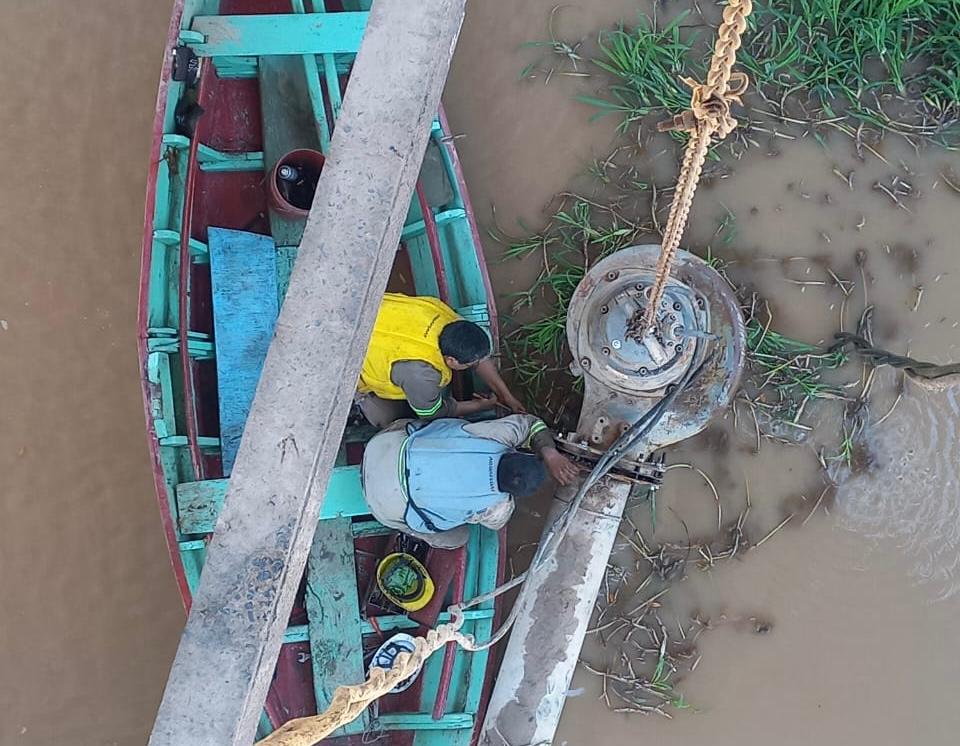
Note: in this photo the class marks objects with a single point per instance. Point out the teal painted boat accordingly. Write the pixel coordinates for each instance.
(246, 84)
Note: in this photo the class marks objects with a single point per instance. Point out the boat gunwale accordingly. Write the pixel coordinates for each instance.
(146, 259)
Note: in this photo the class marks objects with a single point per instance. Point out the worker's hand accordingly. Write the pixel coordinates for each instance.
(562, 469)
(514, 404)
(486, 401)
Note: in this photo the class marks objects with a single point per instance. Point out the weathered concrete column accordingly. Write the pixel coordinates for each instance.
(545, 642)
(257, 556)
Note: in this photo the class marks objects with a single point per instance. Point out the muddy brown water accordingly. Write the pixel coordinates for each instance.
(860, 600)
(89, 614)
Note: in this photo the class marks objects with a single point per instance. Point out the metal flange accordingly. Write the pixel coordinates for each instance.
(626, 372)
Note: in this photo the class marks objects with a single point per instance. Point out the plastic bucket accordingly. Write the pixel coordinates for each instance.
(292, 199)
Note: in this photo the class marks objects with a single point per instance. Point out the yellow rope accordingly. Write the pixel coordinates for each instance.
(349, 702)
(708, 118)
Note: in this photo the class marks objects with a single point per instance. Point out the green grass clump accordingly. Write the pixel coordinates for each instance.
(578, 234)
(791, 370)
(648, 65)
(889, 65)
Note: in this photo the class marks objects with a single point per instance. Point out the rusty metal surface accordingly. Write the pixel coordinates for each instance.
(614, 395)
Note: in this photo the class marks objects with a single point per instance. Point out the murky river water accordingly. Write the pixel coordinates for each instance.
(861, 599)
(88, 610)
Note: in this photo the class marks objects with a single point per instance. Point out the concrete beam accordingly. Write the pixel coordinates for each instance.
(256, 558)
(545, 642)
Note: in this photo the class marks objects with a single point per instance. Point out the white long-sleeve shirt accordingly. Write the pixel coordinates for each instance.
(386, 495)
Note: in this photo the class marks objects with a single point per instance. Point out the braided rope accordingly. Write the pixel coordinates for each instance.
(349, 702)
(708, 118)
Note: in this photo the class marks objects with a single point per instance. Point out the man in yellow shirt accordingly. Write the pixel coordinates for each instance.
(417, 343)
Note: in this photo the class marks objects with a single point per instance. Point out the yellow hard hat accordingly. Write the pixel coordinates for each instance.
(405, 581)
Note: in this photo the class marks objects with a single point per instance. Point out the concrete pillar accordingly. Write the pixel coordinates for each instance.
(545, 642)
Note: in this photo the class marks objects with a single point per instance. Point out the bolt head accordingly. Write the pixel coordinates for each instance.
(585, 363)
(616, 344)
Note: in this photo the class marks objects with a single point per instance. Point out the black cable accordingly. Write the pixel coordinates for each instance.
(864, 348)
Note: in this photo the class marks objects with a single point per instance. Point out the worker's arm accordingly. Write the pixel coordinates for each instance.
(422, 387)
(487, 370)
(527, 431)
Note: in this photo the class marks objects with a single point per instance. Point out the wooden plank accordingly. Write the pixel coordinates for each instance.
(333, 615)
(243, 273)
(286, 257)
(460, 721)
(161, 394)
(225, 661)
(312, 72)
(265, 34)
(288, 124)
(199, 503)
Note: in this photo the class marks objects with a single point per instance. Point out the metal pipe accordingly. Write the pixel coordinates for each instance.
(545, 642)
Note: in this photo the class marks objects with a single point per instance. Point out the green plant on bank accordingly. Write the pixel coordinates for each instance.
(648, 64)
(887, 65)
(784, 375)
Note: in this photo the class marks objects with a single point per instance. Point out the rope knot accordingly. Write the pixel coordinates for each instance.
(709, 107)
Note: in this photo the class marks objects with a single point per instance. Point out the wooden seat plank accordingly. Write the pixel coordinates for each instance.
(199, 503)
(277, 34)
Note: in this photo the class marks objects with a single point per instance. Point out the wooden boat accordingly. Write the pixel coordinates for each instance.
(244, 83)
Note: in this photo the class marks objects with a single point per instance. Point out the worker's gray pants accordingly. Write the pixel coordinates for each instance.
(381, 412)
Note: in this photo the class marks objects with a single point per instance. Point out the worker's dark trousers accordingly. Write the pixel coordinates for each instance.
(381, 412)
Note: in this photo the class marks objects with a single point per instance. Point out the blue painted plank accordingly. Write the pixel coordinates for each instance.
(286, 256)
(441, 218)
(281, 34)
(330, 70)
(243, 271)
(199, 503)
(312, 72)
(421, 721)
(393, 622)
(333, 615)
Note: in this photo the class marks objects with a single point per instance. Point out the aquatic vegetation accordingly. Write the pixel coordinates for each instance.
(863, 66)
(647, 64)
(783, 374)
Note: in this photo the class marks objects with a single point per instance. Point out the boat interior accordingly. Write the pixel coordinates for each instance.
(257, 85)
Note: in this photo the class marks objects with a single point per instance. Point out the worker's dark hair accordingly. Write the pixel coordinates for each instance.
(465, 342)
(520, 474)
